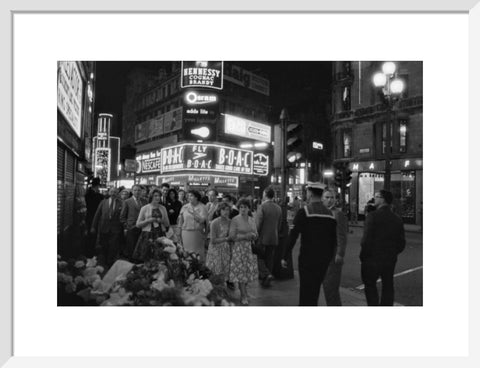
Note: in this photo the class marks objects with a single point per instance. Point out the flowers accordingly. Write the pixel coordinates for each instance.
(73, 277)
(173, 277)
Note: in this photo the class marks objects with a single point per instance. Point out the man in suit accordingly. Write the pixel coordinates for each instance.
(128, 218)
(268, 220)
(331, 283)
(318, 229)
(107, 225)
(383, 239)
(164, 189)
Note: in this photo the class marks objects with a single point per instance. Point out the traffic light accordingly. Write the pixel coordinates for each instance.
(294, 140)
(338, 178)
(348, 176)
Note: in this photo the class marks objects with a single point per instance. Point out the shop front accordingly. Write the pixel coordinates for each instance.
(201, 166)
(406, 187)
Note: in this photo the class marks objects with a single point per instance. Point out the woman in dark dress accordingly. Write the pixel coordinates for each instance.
(153, 220)
(173, 206)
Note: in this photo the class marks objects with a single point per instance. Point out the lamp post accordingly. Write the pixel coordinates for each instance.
(392, 87)
(283, 124)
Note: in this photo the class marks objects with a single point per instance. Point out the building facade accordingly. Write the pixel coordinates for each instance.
(75, 108)
(359, 124)
(199, 125)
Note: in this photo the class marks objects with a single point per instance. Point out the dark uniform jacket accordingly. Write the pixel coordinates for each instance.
(318, 226)
(383, 236)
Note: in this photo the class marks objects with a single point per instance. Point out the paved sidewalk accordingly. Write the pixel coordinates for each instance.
(285, 293)
(408, 227)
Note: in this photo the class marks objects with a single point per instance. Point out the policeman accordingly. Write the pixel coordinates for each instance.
(317, 225)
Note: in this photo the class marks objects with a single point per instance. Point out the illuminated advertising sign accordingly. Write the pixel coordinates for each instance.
(244, 78)
(173, 120)
(200, 115)
(207, 157)
(69, 94)
(149, 162)
(260, 164)
(200, 180)
(199, 98)
(169, 122)
(205, 74)
(225, 181)
(248, 129)
(130, 165)
(102, 165)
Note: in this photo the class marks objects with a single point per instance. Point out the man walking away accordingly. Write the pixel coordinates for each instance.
(331, 283)
(268, 220)
(383, 239)
(128, 217)
(318, 228)
(107, 225)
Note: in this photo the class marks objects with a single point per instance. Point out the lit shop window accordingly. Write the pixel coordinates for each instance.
(347, 143)
(403, 136)
(346, 99)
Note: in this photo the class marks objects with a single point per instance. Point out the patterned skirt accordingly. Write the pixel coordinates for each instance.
(218, 258)
(243, 265)
(144, 250)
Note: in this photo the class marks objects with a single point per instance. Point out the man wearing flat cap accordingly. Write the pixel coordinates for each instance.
(317, 225)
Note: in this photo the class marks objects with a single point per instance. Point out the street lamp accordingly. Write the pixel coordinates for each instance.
(284, 175)
(392, 87)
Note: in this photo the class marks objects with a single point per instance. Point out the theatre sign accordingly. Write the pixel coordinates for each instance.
(205, 74)
(207, 157)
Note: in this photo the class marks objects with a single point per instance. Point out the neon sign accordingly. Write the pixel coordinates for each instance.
(206, 74)
(196, 98)
(207, 157)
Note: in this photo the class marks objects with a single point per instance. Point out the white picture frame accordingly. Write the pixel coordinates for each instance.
(12, 8)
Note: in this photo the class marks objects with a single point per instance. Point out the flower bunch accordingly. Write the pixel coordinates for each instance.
(74, 276)
(173, 277)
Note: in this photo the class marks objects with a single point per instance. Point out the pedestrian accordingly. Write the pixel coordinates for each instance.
(173, 206)
(106, 224)
(331, 282)
(124, 195)
(144, 193)
(317, 227)
(383, 240)
(228, 198)
(93, 197)
(191, 220)
(128, 217)
(219, 252)
(182, 197)
(212, 204)
(370, 207)
(153, 220)
(165, 187)
(268, 220)
(243, 265)
(203, 197)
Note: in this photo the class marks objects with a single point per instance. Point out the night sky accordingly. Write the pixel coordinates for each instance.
(296, 85)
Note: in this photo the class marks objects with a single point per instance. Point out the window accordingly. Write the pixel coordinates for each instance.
(346, 99)
(384, 137)
(402, 136)
(347, 143)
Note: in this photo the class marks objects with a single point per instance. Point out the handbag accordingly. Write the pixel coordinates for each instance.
(257, 248)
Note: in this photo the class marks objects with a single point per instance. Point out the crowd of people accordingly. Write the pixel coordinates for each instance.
(239, 239)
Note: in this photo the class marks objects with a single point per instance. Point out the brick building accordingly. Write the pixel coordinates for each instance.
(359, 122)
(160, 111)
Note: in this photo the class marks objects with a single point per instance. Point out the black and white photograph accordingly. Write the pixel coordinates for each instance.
(264, 161)
(240, 183)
